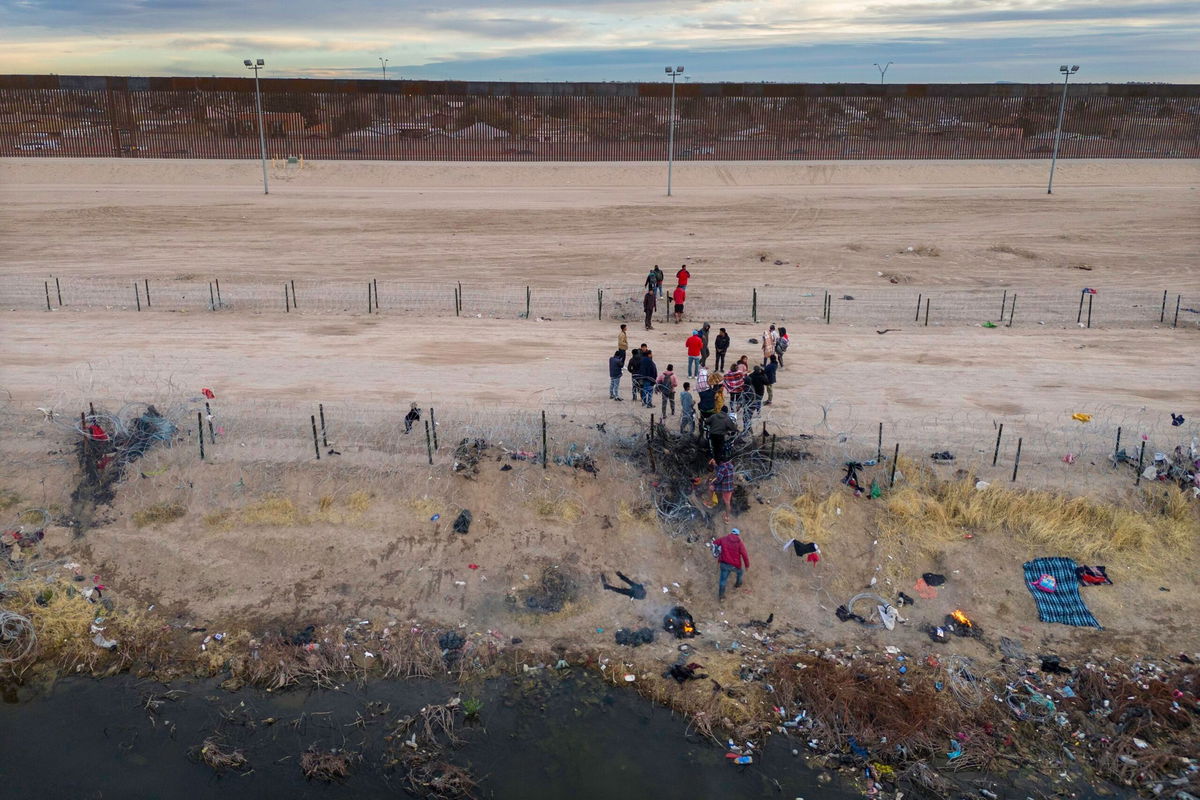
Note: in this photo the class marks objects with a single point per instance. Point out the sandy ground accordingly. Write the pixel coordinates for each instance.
(1134, 223)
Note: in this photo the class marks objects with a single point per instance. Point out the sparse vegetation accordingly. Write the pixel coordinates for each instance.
(1013, 251)
(158, 514)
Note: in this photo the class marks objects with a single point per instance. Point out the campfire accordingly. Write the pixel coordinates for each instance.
(958, 623)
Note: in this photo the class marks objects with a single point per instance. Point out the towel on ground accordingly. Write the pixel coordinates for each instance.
(1064, 604)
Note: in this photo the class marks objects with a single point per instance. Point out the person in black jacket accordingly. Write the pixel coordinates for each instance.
(649, 304)
(722, 345)
(720, 428)
(648, 372)
(634, 367)
(758, 383)
(615, 364)
(704, 329)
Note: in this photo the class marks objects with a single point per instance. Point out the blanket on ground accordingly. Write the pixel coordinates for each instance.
(1064, 604)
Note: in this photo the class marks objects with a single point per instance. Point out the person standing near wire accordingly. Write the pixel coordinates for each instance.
(648, 373)
(721, 343)
(615, 365)
(413, 415)
(649, 305)
(622, 344)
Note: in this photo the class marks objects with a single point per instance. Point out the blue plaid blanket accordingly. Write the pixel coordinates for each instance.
(1063, 604)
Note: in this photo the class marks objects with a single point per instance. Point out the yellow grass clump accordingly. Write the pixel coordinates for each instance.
(557, 508)
(1146, 531)
(158, 514)
(271, 512)
(426, 507)
(8, 499)
(806, 518)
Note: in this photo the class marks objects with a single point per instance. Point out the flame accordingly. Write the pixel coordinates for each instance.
(687, 628)
(961, 618)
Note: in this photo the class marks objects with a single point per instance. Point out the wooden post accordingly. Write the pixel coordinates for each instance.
(650, 444)
(324, 440)
(1003, 304)
(375, 283)
(526, 302)
(1012, 310)
(599, 304)
(1175, 324)
(433, 427)
(1141, 460)
(879, 446)
(200, 432)
(895, 461)
(828, 309)
(286, 303)
(316, 445)
(1117, 447)
(1089, 322)
(544, 448)
(369, 300)
(1162, 315)
(926, 312)
(212, 436)
(917, 318)
(58, 289)
(137, 295)
(217, 281)
(295, 304)
(92, 408)
(996, 452)
(754, 305)
(47, 285)
(147, 281)
(460, 296)
(1017, 460)
(428, 443)
(771, 465)
(1079, 316)
(456, 302)
(212, 299)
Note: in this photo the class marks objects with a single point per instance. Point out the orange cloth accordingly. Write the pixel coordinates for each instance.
(925, 590)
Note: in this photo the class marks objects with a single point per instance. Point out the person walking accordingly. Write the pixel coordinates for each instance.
(687, 410)
(634, 370)
(722, 345)
(694, 346)
(758, 386)
(733, 558)
(649, 304)
(667, 383)
(781, 345)
(735, 385)
(704, 348)
(768, 343)
(721, 428)
(648, 371)
(659, 277)
(682, 276)
(771, 370)
(622, 343)
(615, 365)
(651, 283)
(679, 296)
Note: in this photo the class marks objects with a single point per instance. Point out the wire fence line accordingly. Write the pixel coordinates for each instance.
(882, 307)
(1043, 450)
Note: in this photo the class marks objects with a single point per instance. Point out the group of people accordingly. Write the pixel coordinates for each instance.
(654, 290)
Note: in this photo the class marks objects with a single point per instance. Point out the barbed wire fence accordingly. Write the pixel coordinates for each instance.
(899, 306)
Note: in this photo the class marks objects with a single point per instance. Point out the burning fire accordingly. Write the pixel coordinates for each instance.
(961, 618)
(688, 630)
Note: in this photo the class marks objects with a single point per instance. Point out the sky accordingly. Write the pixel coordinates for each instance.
(817, 41)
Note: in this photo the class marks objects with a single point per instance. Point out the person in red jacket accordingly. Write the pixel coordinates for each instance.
(733, 558)
(683, 275)
(695, 346)
(679, 295)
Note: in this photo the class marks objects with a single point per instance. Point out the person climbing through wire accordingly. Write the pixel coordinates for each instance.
(722, 484)
(413, 415)
(633, 589)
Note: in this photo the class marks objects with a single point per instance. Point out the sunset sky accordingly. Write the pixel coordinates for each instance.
(527, 40)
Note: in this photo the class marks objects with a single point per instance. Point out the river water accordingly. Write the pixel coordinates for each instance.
(543, 737)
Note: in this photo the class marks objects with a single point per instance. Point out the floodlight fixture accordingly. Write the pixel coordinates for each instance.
(674, 72)
(1067, 72)
(262, 136)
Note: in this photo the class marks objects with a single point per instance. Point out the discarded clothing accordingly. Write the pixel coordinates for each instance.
(1177, 420)
(845, 615)
(1064, 604)
(904, 600)
(933, 579)
(636, 638)
(1053, 665)
(633, 590)
(1082, 417)
(1093, 576)
(684, 672)
(462, 523)
(945, 455)
(1011, 648)
(450, 641)
(303, 637)
(809, 549)
(924, 590)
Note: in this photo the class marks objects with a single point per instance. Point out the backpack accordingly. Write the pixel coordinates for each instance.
(781, 345)
(664, 387)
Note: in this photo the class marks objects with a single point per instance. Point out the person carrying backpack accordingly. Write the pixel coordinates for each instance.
(666, 387)
(781, 345)
(659, 277)
(770, 370)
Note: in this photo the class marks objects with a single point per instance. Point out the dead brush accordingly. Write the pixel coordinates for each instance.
(327, 765)
(429, 775)
(1013, 251)
(412, 654)
(219, 756)
(440, 720)
(158, 514)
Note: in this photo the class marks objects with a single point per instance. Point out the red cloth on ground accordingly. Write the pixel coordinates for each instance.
(814, 558)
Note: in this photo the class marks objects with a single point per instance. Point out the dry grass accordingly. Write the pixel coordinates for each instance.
(1013, 251)
(806, 518)
(8, 499)
(921, 250)
(426, 507)
(327, 765)
(270, 512)
(1148, 532)
(557, 508)
(158, 514)
(219, 757)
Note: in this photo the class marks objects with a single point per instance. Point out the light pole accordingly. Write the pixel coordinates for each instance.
(262, 136)
(383, 63)
(883, 70)
(1067, 72)
(674, 72)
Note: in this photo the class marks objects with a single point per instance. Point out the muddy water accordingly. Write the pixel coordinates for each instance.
(538, 738)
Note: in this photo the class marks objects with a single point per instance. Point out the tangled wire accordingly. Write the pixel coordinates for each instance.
(17, 637)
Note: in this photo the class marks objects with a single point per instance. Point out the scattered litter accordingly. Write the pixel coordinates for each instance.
(944, 455)
(933, 579)
(634, 638)
(981, 485)
(1081, 417)
(462, 524)
(1062, 602)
